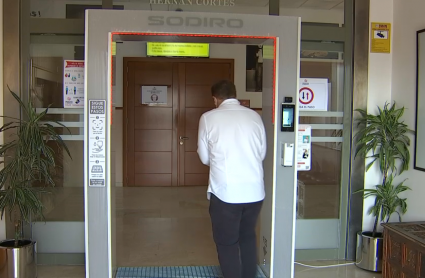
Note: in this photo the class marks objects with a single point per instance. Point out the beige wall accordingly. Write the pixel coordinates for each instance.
(392, 77)
(408, 18)
(379, 92)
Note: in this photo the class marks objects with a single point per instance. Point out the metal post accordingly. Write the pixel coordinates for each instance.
(356, 79)
(11, 72)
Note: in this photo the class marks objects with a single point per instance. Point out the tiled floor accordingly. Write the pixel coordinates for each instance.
(161, 227)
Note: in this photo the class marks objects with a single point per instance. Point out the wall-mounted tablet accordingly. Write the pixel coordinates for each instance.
(288, 117)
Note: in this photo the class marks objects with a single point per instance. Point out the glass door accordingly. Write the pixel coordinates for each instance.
(60, 237)
(320, 186)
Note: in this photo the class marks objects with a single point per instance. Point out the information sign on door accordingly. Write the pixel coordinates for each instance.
(154, 95)
(313, 95)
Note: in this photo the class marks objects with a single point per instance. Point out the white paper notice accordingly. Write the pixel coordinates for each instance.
(73, 84)
(304, 148)
(97, 143)
(313, 94)
(154, 95)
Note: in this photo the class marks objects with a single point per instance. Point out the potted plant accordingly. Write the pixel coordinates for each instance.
(384, 140)
(30, 160)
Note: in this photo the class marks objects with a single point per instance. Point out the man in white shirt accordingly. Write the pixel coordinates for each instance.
(232, 141)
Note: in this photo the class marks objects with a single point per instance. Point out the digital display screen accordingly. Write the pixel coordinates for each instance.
(172, 49)
(288, 117)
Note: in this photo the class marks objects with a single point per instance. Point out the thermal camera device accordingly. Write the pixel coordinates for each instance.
(287, 117)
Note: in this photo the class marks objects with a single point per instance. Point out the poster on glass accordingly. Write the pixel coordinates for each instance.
(304, 148)
(73, 84)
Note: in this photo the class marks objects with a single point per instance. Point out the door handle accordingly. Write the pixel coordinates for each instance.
(184, 138)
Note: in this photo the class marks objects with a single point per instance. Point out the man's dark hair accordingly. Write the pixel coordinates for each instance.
(223, 89)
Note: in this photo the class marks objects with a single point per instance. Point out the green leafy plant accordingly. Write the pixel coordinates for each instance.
(384, 139)
(29, 159)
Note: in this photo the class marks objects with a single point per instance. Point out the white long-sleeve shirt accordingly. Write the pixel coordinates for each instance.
(232, 141)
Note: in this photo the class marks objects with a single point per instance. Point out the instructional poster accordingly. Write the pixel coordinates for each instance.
(73, 84)
(97, 143)
(304, 148)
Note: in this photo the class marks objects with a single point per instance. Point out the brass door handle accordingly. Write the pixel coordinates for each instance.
(184, 138)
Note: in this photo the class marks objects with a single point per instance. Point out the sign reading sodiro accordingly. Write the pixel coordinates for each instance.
(222, 3)
(194, 21)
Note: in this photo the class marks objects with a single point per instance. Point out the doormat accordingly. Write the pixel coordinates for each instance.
(174, 272)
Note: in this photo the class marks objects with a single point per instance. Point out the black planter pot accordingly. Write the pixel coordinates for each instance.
(18, 262)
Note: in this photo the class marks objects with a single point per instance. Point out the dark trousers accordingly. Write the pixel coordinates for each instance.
(234, 235)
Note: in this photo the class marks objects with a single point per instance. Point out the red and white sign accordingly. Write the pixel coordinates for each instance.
(313, 94)
(306, 95)
(73, 84)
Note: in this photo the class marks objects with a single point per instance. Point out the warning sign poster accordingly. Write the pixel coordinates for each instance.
(380, 37)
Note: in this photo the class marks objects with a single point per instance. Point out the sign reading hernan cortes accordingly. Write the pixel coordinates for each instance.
(223, 3)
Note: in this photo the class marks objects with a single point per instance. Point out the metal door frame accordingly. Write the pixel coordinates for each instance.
(100, 27)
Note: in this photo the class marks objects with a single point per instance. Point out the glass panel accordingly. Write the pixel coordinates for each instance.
(65, 206)
(321, 184)
(318, 203)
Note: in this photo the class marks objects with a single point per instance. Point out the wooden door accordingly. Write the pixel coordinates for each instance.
(195, 83)
(160, 141)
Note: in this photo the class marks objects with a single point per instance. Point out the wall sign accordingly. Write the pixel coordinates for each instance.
(304, 148)
(314, 93)
(154, 95)
(172, 49)
(73, 84)
(380, 37)
(97, 143)
(218, 3)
